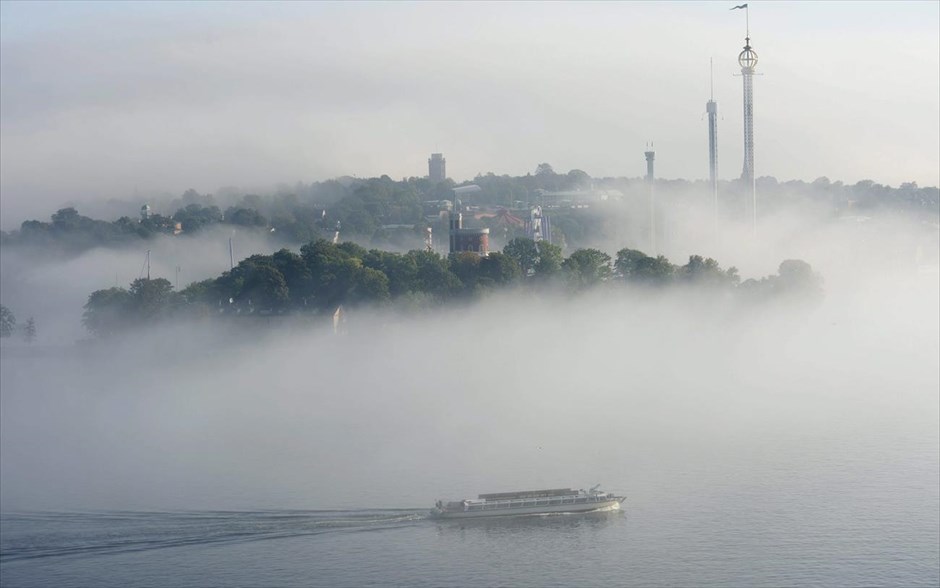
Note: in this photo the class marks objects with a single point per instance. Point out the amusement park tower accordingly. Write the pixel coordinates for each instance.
(651, 183)
(747, 59)
(711, 108)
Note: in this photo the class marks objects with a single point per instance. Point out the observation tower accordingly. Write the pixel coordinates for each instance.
(747, 59)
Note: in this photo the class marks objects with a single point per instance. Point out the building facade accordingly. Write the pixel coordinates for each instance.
(437, 167)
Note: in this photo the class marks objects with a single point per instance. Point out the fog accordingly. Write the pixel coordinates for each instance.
(103, 100)
(53, 287)
(655, 395)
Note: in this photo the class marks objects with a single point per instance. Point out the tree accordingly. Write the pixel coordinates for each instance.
(550, 259)
(432, 275)
(544, 169)
(150, 299)
(194, 217)
(7, 322)
(500, 268)
(586, 268)
(466, 266)
(369, 286)
(29, 330)
(246, 217)
(106, 311)
(525, 252)
(656, 271)
(265, 288)
(578, 179)
(795, 281)
(701, 271)
(201, 296)
(296, 274)
(401, 270)
(66, 218)
(797, 278)
(627, 260)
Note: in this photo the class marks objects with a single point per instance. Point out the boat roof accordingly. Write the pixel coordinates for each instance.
(528, 494)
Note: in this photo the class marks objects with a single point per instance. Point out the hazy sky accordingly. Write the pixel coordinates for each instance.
(99, 98)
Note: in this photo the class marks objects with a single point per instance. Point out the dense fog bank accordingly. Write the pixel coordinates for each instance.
(613, 387)
(54, 289)
(642, 389)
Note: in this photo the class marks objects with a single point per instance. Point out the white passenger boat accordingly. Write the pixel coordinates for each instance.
(558, 500)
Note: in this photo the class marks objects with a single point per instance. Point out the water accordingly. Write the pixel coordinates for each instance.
(803, 451)
(870, 522)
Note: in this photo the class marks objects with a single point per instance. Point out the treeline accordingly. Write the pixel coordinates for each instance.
(391, 214)
(8, 326)
(324, 276)
(70, 230)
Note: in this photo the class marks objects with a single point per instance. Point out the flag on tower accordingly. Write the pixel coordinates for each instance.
(736, 7)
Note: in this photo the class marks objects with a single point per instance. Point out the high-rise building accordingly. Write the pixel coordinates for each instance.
(437, 167)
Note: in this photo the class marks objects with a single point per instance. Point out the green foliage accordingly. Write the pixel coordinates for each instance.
(204, 294)
(433, 276)
(701, 271)
(324, 276)
(152, 299)
(108, 312)
(524, 252)
(586, 268)
(637, 267)
(796, 277)
(654, 270)
(244, 217)
(550, 260)
(368, 286)
(146, 302)
(264, 287)
(627, 260)
(194, 217)
(401, 270)
(500, 269)
(7, 322)
(367, 208)
(297, 276)
(795, 281)
(466, 266)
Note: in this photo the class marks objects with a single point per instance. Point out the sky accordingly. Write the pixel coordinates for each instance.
(101, 100)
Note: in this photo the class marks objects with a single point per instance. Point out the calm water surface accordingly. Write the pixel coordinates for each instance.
(764, 454)
(760, 536)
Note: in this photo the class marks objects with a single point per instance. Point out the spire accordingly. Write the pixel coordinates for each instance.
(711, 77)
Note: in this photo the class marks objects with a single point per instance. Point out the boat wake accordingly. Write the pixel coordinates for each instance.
(55, 535)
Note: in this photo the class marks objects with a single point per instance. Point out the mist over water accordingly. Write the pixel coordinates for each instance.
(757, 443)
(53, 286)
(647, 393)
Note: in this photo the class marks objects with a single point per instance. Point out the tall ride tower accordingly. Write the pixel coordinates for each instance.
(650, 180)
(711, 108)
(747, 59)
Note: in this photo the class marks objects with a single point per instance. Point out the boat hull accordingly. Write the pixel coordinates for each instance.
(612, 504)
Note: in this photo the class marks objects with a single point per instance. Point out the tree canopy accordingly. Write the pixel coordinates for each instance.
(324, 276)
